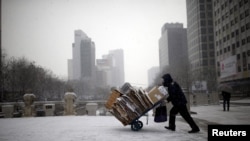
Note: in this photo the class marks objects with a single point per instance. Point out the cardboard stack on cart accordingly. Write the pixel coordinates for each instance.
(129, 103)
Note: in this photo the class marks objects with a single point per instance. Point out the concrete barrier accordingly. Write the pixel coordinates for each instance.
(91, 108)
(8, 111)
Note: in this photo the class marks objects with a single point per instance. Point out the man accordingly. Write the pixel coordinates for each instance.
(226, 100)
(178, 99)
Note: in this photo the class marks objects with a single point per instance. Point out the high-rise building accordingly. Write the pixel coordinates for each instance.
(111, 69)
(232, 43)
(70, 69)
(118, 75)
(83, 58)
(200, 37)
(173, 51)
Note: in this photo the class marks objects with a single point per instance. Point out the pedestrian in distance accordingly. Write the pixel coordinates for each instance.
(226, 100)
(179, 101)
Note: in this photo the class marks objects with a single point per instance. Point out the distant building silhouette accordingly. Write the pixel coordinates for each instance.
(173, 51)
(82, 64)
(110, 69)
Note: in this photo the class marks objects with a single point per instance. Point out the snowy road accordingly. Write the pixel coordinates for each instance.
(108, 128)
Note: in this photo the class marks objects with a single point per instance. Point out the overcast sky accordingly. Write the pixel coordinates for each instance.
(43, 30)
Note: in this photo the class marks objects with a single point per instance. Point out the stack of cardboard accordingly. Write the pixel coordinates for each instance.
(130, 103)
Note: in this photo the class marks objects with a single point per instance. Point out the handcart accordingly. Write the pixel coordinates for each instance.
(136, 124)
(129, 104)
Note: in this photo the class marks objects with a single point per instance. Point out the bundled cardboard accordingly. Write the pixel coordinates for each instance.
(129, 106)
(157, 93)
(112, 99)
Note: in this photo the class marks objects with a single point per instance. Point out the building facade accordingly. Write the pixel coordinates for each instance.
(82, 65)
(173, 51)
(232, 43)
(201, 50)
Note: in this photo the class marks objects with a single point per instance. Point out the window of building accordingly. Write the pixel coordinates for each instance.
(204, 47)
(203, 23)
(248, 26)
(241, 3)
(224, 39)
(242, 16)
(243, 42)
(203, 38)
(225, 50)
(209, 6)
(218, 73)
(211, 46)
(204, 63)
(202, 15)
(238, 56)
(233, 49)
(202, 7)
(210, 30)
(248, 39)
(237, 32)
(244, 61)
(235, 8)
(210, 22)
(242, 28)
(211, 38)
(232, 34)
(237, 44)
(248, 53)
(212, 62)
(232, 22)
(236, 20)
(228, 48)
(201, 1)
(203, 31)
(246, 12)
(211, 54)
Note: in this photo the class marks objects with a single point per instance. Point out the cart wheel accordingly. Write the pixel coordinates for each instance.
(140, 124)
(136, 126)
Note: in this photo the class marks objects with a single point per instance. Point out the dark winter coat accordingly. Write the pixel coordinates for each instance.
(176, 95)
(226, 95)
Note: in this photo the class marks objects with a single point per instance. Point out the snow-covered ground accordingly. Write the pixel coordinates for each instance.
(108, 128)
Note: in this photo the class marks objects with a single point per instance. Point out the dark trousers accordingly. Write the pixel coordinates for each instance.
(184, 113)
(226, 103)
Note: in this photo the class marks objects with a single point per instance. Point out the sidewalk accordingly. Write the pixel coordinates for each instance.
(214, 114)
(108, 128)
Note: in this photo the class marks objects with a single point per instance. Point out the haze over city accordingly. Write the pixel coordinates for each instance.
(43, 31)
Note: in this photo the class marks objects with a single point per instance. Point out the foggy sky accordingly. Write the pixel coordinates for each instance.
(43, 30)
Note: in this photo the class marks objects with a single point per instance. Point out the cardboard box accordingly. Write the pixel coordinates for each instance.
(112, 99)
(155, 94)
